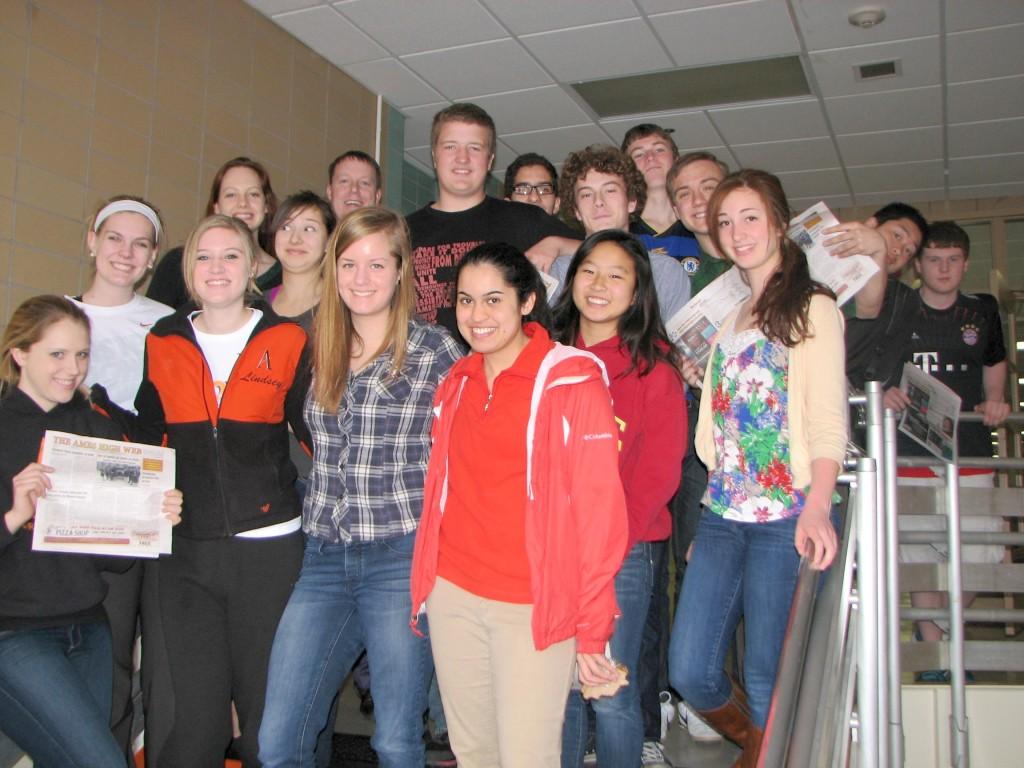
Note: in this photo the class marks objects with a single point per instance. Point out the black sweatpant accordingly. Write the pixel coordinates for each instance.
(122, 607)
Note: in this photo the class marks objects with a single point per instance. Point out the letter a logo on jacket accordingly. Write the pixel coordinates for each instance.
(264, 360)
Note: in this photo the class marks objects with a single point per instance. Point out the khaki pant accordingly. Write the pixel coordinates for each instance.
(503, 699)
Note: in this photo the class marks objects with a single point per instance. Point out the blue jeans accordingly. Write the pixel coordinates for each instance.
(737, 569)
(620, 730)
(55, 689)
(348, 597)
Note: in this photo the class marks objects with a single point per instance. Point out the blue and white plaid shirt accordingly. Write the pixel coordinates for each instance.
(370, 458)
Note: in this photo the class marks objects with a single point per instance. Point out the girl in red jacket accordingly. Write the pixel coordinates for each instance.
(524, 522)
(611, 310)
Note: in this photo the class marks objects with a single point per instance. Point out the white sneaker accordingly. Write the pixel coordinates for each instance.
(698, 729)
(668, 712)
(654, 755)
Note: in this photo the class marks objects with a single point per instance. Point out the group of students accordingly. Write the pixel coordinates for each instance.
(501, 516)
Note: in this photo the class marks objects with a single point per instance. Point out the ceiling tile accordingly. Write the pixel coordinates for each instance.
(986, 99)
(834, 202)
(475, 70)
(997, 169)
(891, 110)
(532, 109)
(985, 53)
(579, 53)
(525, 16)
(891, 146)
(889, 176)
(269, 7)
(828, 182)
(770, 122)
(503, 157)
(825, 24)
(964, 16)
(692, 130)
(663, 6)
(558, 143)
(418, 121)
(1012, 189)
(330, 34)
(421, 155)
(919, 65)
(784, 156)
(990, 138)
(901, 195)
(400, 87)
(403, 27)
(736, 32)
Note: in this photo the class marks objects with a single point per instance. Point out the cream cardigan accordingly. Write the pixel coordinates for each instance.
(818, 411)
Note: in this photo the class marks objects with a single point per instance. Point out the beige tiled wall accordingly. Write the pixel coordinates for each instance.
(149, 97)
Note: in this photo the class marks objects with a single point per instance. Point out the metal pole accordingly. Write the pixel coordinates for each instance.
(868, 752)
(892, 594)
(958, 698)
(876, 450)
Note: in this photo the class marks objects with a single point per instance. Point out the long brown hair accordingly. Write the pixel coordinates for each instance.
(26, 327)
(782, 309)
(264, 235)
(334, 336)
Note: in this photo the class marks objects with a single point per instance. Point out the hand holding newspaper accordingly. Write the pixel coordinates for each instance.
(933, 414)
(106, 497)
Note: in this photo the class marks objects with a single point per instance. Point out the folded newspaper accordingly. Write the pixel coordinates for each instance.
(693, 327)
(933, 414)
(106, 497)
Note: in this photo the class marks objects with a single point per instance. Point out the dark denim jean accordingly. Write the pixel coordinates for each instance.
(348, 597)
(55, 688)
(619, 724)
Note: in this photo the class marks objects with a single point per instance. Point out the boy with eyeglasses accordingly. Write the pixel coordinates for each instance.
(531, 178)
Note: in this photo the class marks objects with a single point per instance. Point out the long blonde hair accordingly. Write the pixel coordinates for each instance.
(26, 327)
(191, 252)
(334, 335)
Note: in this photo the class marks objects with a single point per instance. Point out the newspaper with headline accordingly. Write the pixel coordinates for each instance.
(106, 497)
(693, 327)
(932, 417)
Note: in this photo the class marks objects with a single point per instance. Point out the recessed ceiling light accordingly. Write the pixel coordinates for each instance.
(867, 16)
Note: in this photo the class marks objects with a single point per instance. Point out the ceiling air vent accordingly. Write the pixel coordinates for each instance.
(874, 71)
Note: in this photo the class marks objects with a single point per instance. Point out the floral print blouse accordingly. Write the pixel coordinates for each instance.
(749, 407)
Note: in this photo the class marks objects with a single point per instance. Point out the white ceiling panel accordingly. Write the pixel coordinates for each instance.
(418, 121)
(599, 50)
(891, 110)
(785, 156)
(525, 16)
(503, 158)
(962, 16)
(900, 195)
(474, 70)
(331, 35)
(800, 204)
(891, 146)
(973, 55)
(986, 99)
(268, 7)
(991, 138)
(919, 65)
(997, 169)
(825, 22)
(692, 130)
(556, 144)
(736, 32)
(403, 27)
(770, 122)
(388, 76)
(664, 6)
(814, 183)
(533, 109)
(1015, 188)
(890, 176)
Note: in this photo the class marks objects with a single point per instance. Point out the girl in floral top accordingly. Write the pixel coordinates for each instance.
(772, 431)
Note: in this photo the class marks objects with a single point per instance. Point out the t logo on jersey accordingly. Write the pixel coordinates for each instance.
(264, 360)
(927, 361)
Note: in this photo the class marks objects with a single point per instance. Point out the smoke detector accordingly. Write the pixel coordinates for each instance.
(867, 16)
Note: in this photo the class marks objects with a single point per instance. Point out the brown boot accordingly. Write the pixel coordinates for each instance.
(732, 720)
(751, 748)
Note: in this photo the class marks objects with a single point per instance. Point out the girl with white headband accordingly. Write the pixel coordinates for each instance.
(122, 240)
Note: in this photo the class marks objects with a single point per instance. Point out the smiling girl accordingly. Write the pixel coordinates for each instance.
(611, 310)
(219, 385)
(55, 647)
(772, 431)
(524, 521)
(375, 371)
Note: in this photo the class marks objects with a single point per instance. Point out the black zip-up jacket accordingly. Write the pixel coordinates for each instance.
(232, 460)
(39, 590)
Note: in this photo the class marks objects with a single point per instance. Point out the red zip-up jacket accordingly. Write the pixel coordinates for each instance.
(576, 525)
(232, 460)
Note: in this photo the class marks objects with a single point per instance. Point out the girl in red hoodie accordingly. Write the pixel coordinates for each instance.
(524, 522)
(611, 310)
